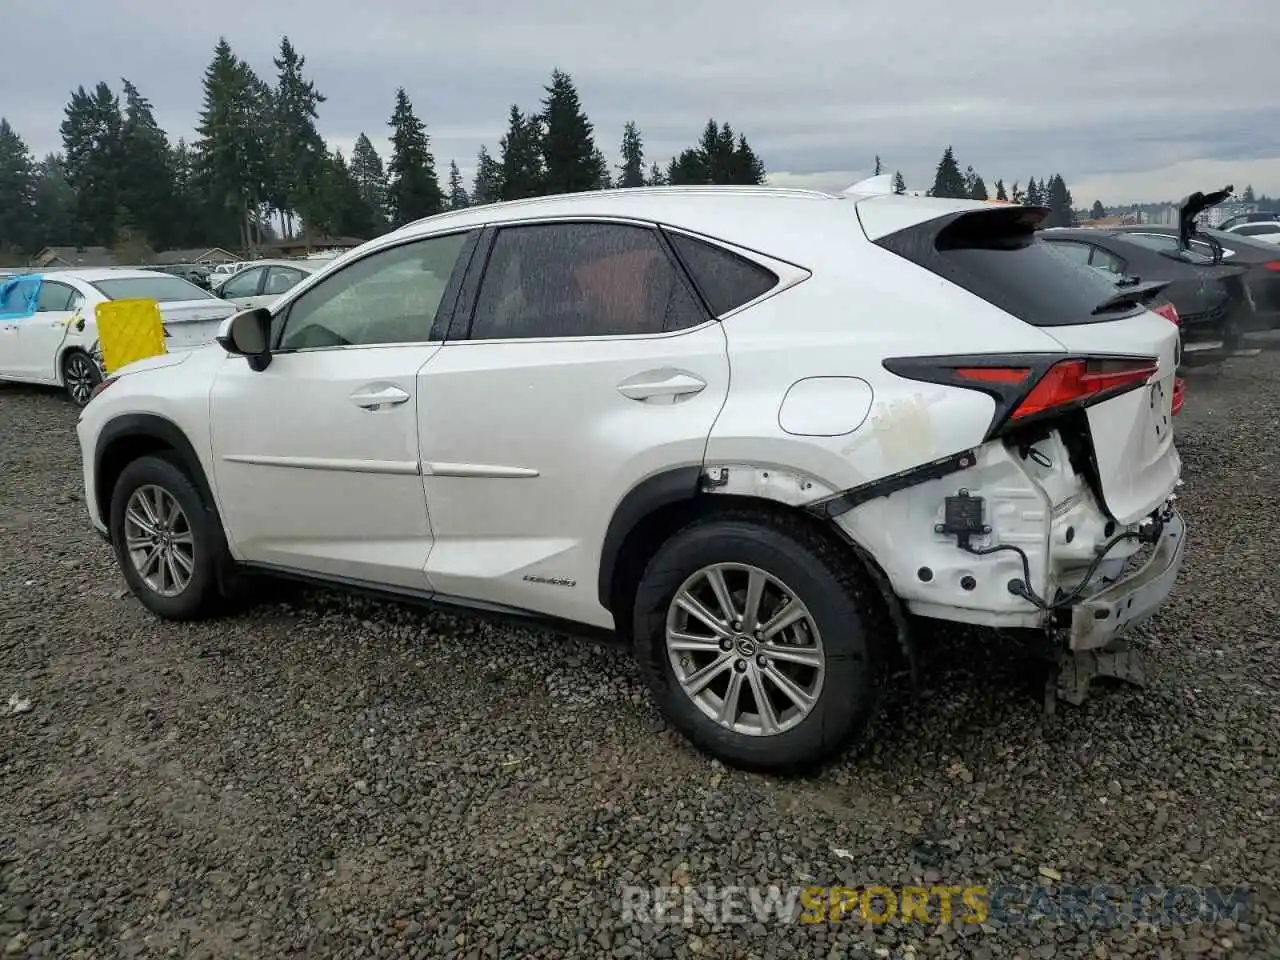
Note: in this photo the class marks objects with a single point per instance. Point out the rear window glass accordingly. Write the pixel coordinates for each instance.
(726, 280)
(996, 256)
(165, 289)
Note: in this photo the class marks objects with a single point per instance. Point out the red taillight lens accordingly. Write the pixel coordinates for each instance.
(1077, 381)
(1168, 311)
(1179, 395)
(1009, 375)
(1272, 265)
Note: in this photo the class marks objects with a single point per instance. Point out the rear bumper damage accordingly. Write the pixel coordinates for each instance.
(1105, 615)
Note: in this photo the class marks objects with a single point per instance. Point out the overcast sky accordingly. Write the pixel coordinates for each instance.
(1128, 99)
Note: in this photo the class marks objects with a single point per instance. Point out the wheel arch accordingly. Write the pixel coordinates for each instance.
(134, 435)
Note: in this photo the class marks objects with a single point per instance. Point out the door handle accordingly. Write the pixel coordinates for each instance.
(677, 384)
(376, 399)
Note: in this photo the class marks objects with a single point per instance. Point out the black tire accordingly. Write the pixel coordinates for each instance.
(80, 374)
(201, 596)
(841, 599)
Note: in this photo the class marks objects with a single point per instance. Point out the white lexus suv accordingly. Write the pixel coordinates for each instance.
(749, 429)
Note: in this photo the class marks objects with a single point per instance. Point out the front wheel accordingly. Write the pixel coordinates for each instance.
(753, 634)
(80, 374)
(169, 546)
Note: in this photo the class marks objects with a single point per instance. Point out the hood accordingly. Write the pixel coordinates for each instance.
(1194, 205)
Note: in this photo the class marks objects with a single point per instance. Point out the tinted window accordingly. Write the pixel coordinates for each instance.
(165, 289)
(1075, 252)
(54, 297)
(995, 255)
(280, 279)
(580, 280)
(1258, 229)
(243, 284)
(725, 280)
(1106, 260)
(391, 296)
(1154, 241)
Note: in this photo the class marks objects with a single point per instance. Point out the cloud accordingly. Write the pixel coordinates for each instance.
(1115, 96)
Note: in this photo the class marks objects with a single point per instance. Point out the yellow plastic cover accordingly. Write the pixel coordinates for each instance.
(129, 330)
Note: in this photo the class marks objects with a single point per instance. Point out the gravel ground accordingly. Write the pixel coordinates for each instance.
(333, 777)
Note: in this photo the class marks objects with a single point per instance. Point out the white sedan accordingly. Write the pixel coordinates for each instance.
(258, 285)
(58, 343)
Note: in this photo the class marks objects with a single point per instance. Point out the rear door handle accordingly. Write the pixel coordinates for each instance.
(672, 385)
(375, 399)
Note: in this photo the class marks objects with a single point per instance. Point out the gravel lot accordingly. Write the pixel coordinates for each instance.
(333, 777)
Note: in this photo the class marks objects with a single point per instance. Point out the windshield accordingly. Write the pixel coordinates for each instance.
(165, 289)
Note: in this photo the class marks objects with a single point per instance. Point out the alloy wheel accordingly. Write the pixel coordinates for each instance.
(745, 649)
(81, 378)
(159, 540)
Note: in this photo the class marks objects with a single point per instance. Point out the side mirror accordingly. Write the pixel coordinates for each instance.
(248, 334)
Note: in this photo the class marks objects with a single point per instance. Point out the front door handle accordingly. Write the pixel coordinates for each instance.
(672, 385)
(376, 399)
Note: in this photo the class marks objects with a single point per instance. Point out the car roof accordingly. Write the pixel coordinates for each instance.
(94, 274)
(784, 223)
(299, 264)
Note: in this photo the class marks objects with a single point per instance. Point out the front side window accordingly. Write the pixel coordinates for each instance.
(244, 284)
(555, 280)
(391, 296)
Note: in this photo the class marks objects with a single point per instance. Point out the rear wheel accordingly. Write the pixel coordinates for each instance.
(169, 546)
(80, 374)
(753, 634)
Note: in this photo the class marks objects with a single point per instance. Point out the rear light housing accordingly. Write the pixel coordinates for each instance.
(1032, 387)
(1179, 395)
(101, 386)
(1169, 312)
(1272, 265)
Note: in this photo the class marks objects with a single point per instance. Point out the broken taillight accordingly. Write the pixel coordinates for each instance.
(1169, 312)
(1179, 395)
(1026, 386)
(1272, 265)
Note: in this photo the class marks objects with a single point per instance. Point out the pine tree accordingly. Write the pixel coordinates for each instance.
(687, 169)
(570, 160)
(523, 174)
(948, 181)
(55, 205)
(1033, 193)
(457, 199)
(978, 189)
(899, 183)
(91, 141)
(413, 192)
(370, 179)
(17, 192)
(487, 186)
(338, 208)
(233, 168)
(1248, 196)
(879, 168)
(1098, 211)
(632, 169)
(656, 177)
(747, 168)
(1057, 198)
(1000, 191)
(1017, 195)
(299, 155)
(146, 178)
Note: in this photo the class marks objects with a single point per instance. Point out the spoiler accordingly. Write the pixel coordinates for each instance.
(1194, 205)
(881, 184)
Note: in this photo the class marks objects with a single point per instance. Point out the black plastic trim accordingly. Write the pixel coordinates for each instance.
(424, 597)
(469, 292)
(841, 503)
(453, 287)
(653, 493)
(154, 427)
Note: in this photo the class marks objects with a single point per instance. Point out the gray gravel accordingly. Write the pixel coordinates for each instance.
(331, 777)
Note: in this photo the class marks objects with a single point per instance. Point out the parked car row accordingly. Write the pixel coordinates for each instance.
(755, 431)
(1224, 286)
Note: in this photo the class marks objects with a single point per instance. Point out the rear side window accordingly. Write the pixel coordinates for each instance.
(725, 280)
(996, 255)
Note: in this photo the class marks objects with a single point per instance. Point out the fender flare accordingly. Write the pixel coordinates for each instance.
(650, 494)
(148, 426)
